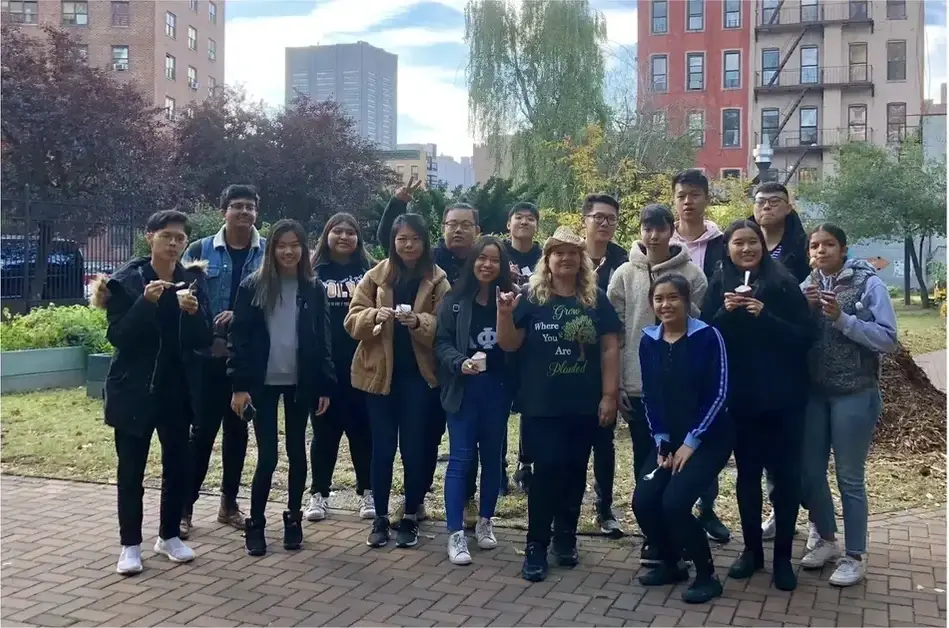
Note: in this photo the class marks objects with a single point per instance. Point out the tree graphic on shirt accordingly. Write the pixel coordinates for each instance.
(581, 331)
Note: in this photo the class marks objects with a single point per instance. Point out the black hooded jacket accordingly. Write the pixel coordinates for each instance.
(615, 257)
(135, 395)
(793, 245)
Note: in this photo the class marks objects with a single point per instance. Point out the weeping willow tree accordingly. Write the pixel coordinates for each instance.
(535, 73)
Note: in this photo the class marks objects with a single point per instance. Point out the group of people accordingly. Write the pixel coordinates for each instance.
(762, 341)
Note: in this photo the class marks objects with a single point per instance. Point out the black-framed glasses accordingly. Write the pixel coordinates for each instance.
(604, 219)
(770, 201)
(464, 225)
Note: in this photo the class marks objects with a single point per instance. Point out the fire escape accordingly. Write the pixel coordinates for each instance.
(799, 18)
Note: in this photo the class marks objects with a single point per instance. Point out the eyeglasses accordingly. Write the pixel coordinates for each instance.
(243, 207)
(178, 238)
(464, 225)
(771, 201)
(604, 219)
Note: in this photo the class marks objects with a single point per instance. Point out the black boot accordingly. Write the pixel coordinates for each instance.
(783, 574)
(292, 529)
(254, 542)
(664, 573)
(746, 564)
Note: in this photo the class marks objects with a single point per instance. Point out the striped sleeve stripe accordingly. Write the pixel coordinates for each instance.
(722, 388)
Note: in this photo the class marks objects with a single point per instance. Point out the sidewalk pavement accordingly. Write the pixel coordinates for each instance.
(59, 547)
(935, 366)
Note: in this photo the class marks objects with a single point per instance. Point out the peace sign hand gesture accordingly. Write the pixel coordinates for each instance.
(507, 301)
(406, 192)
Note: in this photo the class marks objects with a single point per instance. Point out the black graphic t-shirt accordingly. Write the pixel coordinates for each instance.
(483, 334)
(238, 259)
(525, 262)
(559, 362)
(340, 281)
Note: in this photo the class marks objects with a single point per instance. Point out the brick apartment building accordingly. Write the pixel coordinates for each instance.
(174, 49)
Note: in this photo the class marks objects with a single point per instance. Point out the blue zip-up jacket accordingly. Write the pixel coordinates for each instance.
(220, 268)
(702, 382)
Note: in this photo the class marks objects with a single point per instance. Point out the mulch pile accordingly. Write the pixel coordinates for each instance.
(914, 411)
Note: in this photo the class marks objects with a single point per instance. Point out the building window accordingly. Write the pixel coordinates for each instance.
(731, 128)
(659, 69)
(769, 12)
(121, 13)
(895, 121)
(805, 175)
(193, 5)
(732, 14)
(212, 83)
(807, 126)
(171, 24)
(810, 70)
(809, 11)
(169, 107)
(731, 173)
(21, 12)
(212, 12)
(857, 123)
(120, 58)
(695, 62)
(193, 78)
(192, 38)
(212, 50)
(732, 74)
(75, 13)
(697, 128)
(770, 59)
(660, 17)
(859, 10)
(170, 67)
(896, 9)
(696, 17)
(857, 56)
(659, 121)
(770, 121)
(896, 60)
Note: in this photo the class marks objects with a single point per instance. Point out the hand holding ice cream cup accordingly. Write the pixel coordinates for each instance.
(186, 299)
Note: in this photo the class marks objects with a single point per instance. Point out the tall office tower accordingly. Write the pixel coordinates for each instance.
(361, 77)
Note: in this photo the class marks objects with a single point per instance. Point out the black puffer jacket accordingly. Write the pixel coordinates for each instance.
(133, 403)
(249, 344)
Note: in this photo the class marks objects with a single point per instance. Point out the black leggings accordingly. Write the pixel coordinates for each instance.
(347, 414)
(265, 430)
(769, 441)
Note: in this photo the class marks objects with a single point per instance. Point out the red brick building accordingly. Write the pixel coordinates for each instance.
(695, 75)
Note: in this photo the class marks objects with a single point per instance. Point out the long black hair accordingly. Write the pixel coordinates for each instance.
(425, 266)
(468, 284)
(266, 279)
(769, 273)
(322, 253)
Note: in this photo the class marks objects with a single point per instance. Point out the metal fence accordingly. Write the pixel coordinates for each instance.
(51, 250)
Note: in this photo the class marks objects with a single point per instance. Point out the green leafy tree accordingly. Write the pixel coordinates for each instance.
(888, 193)
(581, 331)
(494, 199)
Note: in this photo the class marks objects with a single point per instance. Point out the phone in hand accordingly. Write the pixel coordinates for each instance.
(249, 413)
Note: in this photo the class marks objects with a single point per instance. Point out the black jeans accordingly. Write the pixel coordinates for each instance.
(216, 409)
(663, 504)
(559, 448)
(132, 452)
(398, 420)
(347, 414)
(266, 432)
(769, 441)
(604, 467)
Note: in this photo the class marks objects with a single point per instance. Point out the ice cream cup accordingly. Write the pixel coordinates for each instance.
(480, 361)
(744, 291)
(181, 294)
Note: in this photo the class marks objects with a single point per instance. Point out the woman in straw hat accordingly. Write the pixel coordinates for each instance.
(568, 336)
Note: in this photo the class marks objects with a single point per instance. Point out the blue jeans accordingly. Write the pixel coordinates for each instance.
(398, 420)
(844, 423)
(479, 424)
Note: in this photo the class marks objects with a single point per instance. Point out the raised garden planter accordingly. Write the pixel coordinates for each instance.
(96, 371)
(36, 369)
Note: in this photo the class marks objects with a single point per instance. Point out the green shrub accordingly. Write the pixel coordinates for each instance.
(55, 326)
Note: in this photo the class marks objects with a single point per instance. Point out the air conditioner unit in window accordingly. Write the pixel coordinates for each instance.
(120, 67)
(193, 84)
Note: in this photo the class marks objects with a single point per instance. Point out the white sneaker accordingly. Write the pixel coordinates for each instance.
(175, 550)
(316, 511)
(768, 528)
(813, 536)
(130, 560)
(822, 553)
(367, 510)
(458, 549)
(849, 571)
(484, 532)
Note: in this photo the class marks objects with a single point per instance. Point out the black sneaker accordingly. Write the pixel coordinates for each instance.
(663, 574)
(535, 563)
(702, 589)
(407, 535)
(379, 537)
(565, 551)
(292, 530)
(649, 555)
(783, 575)
(255, 544)
(747, 563)
(714, 528)
(609, 526)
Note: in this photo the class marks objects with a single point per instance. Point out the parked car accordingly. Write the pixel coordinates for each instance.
(64, 270)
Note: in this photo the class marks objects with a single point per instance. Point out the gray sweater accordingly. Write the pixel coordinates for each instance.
(282, 325)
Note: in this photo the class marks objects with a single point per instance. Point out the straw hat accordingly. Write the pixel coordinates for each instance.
(564, 235)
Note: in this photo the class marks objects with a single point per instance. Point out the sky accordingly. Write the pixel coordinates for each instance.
(428, 37)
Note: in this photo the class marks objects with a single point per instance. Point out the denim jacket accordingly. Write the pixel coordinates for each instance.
(219, 270)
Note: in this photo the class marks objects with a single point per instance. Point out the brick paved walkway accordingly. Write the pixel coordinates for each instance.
(58, 545)
(935, 366)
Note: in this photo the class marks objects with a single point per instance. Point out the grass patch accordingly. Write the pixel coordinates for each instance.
(920, 330)
(60, 434)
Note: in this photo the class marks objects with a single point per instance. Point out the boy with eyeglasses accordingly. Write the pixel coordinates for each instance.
(232, 254)
(600, 218)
